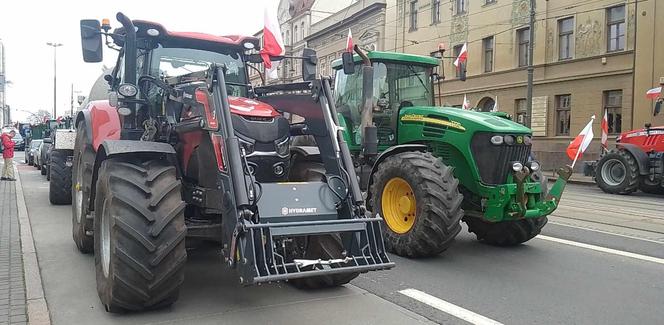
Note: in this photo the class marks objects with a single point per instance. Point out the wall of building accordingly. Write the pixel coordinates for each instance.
(649, 61)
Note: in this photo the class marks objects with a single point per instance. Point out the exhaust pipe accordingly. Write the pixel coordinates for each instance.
(369, 131)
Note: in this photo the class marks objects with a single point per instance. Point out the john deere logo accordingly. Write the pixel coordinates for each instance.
(519, 139)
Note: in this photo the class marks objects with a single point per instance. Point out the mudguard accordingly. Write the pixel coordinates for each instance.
(384, 155)
(102, 122)
(639, 155)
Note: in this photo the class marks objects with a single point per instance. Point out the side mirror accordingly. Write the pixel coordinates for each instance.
(309, 61)
(254, 58)
(347, 63)
(91, 41)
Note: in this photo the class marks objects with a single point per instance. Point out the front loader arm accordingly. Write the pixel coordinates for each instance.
(555, 193)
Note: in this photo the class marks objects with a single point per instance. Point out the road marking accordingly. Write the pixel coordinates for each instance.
(603, 249)
(607, 232)
(449, 308)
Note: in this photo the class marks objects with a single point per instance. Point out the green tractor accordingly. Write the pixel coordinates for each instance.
(426, 168)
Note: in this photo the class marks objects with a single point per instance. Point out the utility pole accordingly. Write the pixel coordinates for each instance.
(531, 68)
(55, 76)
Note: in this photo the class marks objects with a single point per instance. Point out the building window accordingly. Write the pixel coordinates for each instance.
(287, 37)
(616, 28)
(413, 15)
(457, 51)
(302, 28)
(435, 11)
(563, 108)
(523, 36)
(613, 107)
(294, 34)
(461, 6)
(521, 110)
(488, 2)
(566, 38)
(487, 51)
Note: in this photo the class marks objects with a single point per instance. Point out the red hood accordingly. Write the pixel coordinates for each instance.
(250, 107)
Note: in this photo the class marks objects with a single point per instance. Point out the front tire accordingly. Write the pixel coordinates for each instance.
(505, 233)
(139, 235)
(646, 186)
(418, 197)
(59, 190)
(617, 173)
(324, 247)
(82, 222)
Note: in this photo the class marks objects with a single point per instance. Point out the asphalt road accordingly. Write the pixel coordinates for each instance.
(549, 280)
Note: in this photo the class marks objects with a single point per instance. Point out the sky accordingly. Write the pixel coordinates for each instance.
(26, 26)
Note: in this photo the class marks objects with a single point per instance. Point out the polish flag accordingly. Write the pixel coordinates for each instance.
(349, 42)
(463, 56)
(273, 44)
(654, 93)
(605, 130)
(466, 102)
(581, 142)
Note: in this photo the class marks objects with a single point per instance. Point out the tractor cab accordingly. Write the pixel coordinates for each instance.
(396, 84)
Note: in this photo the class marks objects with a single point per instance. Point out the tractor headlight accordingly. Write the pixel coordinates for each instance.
(509, 140)
(282, 147)
(527, 140)
(534, 165)
(517, 166)
(127, 90)
(497, 139)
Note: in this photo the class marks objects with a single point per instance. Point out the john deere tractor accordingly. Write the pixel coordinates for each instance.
(426, 168)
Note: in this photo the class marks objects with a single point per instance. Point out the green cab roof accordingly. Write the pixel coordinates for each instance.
(392, 56)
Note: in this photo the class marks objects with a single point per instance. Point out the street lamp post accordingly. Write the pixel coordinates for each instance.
(531, 68)
(55, 75)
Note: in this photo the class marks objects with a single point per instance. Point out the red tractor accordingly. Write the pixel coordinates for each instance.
(637, 163)
(185, 150)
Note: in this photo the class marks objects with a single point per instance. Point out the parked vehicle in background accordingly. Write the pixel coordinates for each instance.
(19, 142)
(32, 151)
(44, 149)
(636, 163)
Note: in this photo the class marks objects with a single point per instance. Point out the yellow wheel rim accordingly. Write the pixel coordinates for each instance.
(398, 205)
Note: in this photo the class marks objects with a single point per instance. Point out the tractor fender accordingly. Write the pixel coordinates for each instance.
(384, 155)
(102, 122)
(639, 155)
(308, 153)
(117, 148)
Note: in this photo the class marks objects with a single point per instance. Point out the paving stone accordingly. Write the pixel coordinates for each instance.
(12, 285)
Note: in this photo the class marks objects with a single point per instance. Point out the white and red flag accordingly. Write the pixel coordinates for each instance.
(466, 102)
(463, 56)
(605, 130)
(581, 142)
(273, 44)
(349, 42)
(654, 93)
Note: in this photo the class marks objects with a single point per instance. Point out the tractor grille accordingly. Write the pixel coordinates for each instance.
(493, 161)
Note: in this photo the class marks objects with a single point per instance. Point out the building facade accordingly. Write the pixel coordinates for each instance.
(366, 21)
(584, 58)
(4, 110)
(295, 20)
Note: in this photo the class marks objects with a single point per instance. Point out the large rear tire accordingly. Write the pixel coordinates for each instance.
(505, 233)
(418, 197)
(59, 190)
(617, 173)
(139, 235)
(82, 221)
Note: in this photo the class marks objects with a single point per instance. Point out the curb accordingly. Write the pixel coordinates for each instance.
(38, 313)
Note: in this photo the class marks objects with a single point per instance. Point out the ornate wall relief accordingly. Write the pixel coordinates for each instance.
(550, 45)
(520, 12)
(588, 38)
(631, 18)
(459, 29)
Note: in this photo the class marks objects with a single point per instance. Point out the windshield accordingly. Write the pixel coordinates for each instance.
(174, 62)
(394, 86)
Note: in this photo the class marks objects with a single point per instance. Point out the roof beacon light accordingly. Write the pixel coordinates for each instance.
(106, 24)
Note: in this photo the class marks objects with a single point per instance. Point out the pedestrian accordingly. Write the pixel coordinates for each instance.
(8, 155)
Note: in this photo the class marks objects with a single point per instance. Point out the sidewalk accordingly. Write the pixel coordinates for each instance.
(577, 178)
(13, 308)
